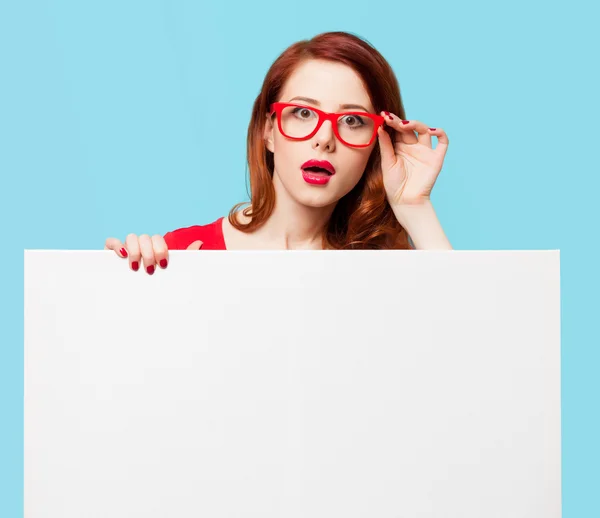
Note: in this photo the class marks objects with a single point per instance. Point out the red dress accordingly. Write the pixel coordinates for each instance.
(211, 236)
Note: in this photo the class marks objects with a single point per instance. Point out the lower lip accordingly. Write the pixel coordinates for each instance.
(314, 178)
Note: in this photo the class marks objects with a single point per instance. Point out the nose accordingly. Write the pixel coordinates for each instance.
(325, 137)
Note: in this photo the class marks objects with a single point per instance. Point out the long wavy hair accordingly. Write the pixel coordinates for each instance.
(363, 218)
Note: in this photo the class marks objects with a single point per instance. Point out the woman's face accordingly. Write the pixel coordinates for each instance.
(329, 85)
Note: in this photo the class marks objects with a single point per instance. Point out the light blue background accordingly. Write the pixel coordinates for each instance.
(121, 116)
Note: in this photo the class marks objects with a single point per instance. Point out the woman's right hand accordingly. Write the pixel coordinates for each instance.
(153, 250)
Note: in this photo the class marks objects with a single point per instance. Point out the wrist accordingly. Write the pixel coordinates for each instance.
(422, 225)
(409, 214)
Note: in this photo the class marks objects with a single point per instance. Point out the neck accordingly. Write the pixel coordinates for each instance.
(293, 225)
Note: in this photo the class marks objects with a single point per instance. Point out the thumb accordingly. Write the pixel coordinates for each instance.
(196, 245)
(386, 150)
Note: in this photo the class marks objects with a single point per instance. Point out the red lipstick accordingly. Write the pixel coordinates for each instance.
(317, 172)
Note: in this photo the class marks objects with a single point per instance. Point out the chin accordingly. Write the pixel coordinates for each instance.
(319, 205)
(318, 200)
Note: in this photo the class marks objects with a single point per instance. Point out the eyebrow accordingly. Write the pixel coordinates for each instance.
(342, 106)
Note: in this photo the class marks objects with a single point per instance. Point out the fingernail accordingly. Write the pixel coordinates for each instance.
(123, 252)
(163, 263)
(135, 265)
(390, 117)
(387, 113)
(405, 122)
(432, 129)
(150, 269)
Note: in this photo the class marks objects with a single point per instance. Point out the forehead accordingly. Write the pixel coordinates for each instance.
(330, 83)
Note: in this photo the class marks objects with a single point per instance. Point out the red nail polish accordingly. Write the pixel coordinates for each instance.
(432, 129)
(405, 122)
(150, 269)
(135, 265)
(387, 113)
(163, 263)
(123, 252)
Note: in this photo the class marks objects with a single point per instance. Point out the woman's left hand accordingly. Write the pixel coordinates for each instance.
(410, 166)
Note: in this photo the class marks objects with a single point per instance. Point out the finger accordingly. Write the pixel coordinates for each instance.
(147, 252)
(386, 150)
(161, 252)
(406, 130)
(112, 243)
(423, 133)
(133, 246)
(196, 245)
(442, 143)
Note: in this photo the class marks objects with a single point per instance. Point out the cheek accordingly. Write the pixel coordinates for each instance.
(281, 157)
(289, 155)
(355, 164)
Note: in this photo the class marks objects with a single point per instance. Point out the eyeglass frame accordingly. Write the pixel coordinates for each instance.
(277, 108)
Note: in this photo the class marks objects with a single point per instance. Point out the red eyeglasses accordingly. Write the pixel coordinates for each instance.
(300, 122)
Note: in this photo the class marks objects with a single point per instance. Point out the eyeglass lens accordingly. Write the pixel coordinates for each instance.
(299, 122)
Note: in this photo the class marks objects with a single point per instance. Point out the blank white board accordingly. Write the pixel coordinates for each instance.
(293, 384)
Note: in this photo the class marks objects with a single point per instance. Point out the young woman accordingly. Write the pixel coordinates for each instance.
(332, 163)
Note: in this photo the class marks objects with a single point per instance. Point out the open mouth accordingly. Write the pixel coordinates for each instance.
(316, 175)
(317, 170)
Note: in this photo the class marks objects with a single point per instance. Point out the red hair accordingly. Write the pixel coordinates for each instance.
(363, 218)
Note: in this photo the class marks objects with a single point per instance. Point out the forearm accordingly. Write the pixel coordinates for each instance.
(423, 226)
